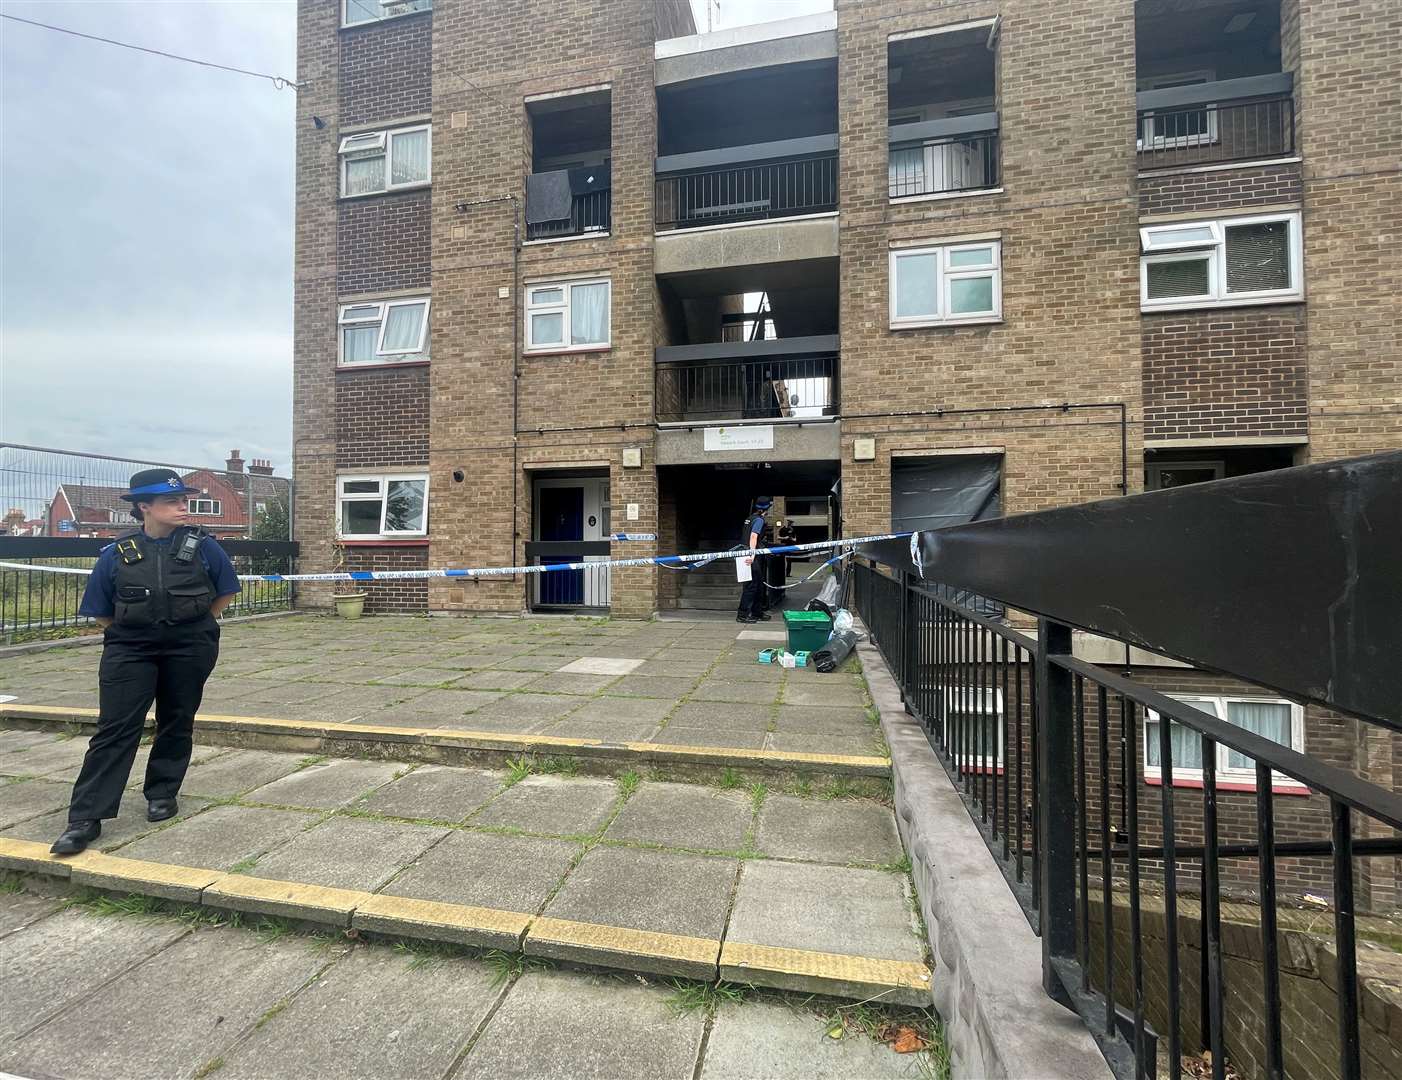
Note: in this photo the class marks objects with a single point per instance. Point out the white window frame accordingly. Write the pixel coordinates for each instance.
(1157, 250)
(567, 286)
(384, 142)
(1174, 142)
(365, 5)
(1225, 775)
(216, 508)
(382, 497)
(952, 698)
(945, 275)
(382, 355)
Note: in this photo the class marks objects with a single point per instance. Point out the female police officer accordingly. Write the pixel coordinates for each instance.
(156, 593)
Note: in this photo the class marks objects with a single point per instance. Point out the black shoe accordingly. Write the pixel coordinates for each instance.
(76, 837)
(742, 617)
(764, 616)
(160, 809)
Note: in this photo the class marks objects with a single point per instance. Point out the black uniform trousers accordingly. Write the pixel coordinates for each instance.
(754, 596)
(167, 664)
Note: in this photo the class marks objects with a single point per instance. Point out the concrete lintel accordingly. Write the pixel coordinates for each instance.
(741, 48)
(987, 982)
(745, 350)
(685, 251)
(792, 442)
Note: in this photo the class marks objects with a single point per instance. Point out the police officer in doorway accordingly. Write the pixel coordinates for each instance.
(754, 596)
(157, 593)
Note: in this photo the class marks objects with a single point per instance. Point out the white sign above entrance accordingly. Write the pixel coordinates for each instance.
(746, 437)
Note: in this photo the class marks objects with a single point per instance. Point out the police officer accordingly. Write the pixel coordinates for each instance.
(754, 595)
(157, 593)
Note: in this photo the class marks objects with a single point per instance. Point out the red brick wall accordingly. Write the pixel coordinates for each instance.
(1182, 193)
(386, 69)
(384, 243)
(391, 597)
(382, 418)
(1237, 372)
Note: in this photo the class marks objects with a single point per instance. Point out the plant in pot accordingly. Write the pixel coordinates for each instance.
(349, 604)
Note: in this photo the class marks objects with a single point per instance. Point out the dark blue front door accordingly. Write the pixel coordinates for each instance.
(562, 520)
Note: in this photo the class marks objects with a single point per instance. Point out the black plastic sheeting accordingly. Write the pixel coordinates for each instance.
(936, 493)
(838, 648)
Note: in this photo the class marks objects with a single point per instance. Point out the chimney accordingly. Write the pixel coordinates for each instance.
(235, 463)
(261, 467)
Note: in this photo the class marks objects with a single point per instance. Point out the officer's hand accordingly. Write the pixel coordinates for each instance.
(749, 559)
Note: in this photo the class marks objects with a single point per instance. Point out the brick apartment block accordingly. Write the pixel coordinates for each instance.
(1193, 207)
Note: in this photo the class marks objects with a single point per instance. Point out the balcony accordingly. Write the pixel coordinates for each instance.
(589, 212)
(759, 182)
(944, 157)
(1217, 123)
(789, 379)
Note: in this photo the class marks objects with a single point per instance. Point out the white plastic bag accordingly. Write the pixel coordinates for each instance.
(830, 592)
(841, 621)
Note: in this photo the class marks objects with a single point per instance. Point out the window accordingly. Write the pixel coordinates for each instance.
(1232, 262)
(384, 332)
(942, 286)
(359, 12)
(376, 161)
(973, 725)
(211, 507)
(382, 507)
(1185, 126)
(564, 315)
(1277, 720)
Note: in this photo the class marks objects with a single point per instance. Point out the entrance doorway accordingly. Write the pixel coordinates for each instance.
(570, 523)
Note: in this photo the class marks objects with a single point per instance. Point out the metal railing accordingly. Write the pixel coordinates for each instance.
(37, 603)
(751, 389)
(1052, 755)
(944, 165)
(1216, 133)
(586, 590)
(590, 212)
(750, 192)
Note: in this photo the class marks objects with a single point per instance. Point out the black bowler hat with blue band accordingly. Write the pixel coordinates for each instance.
(150, 484)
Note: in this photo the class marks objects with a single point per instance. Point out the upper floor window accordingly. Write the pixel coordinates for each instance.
(384, 331)
(375, 161)
(1279, 721)
(358, 12)
(1223, 263)
(212, 507)
(566, 315)
(947, 285)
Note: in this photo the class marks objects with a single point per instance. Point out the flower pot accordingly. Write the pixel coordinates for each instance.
(349, 605)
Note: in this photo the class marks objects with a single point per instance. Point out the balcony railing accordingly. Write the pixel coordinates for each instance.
(589, 213)
(1216, 123)
(941, 157)
(789, 387)
(747, 183)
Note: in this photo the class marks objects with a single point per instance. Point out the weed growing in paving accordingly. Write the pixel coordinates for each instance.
(917, 1032)
(729, 779)
(840, 789)
(688, 996)
(423, 953)
(243, 866)
(10, 883)
(558, 766)
(510, 965)
(757, 795)
(628, 783)
(517, 769)
(211, 1066)
(900, 866)
(308, 762)
(131, 904)
(803, 789)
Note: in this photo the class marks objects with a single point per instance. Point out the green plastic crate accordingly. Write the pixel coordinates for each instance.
(808, 630)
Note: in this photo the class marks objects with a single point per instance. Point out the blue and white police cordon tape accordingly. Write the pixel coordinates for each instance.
(676, 562)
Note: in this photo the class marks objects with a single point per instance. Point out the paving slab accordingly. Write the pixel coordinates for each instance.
(511, 873)
(570, 683)
(621, 709)
(328, 785)
(603, 730)
(848, 720)
(348, 853)
(57, 756)
(129, 823)
(681, 669)
(681, 735)
(529, 662)
(829, 909)
(601, 665)
(19, 738)
(598, 1028)
(779, 1041)
(655, 686)
(199, 1016)
(24, 799)
(435, 792)
(736, 691)
(64, 957)
(854, 746)
(833, 689)
(669, 894)
(220, 838)
(828, 830)
(745, 668)
(524, 712)
(291, 692)
(22, 909)
(684, 816)
(420, 676)
(722, 716)
(496, 679)
(408, 1021)
(769, 637)
(556, 805)
(240, 771)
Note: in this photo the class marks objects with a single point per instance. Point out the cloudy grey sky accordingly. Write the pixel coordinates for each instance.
(146, 214)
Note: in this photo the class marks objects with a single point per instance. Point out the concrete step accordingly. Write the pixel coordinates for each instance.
(529, 859)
